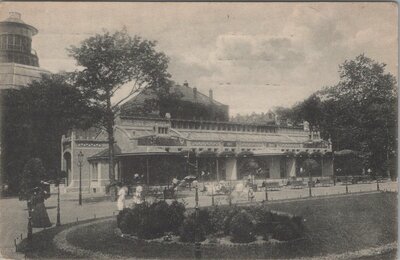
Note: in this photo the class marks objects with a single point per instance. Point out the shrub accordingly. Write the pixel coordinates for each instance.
(264, 225)
(242, 227)
(218, 219)
(151, 221)
(176, 216)
(204, 221)
(290, 228)
(283, 232)
(188, 230)
(228, 219)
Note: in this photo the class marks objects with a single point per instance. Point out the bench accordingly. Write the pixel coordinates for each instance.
(272, 185)
(326, 182)
(297, 184)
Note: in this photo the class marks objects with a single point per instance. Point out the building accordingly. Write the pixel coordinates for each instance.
(159, 149)
(19, 63)
(184, 103)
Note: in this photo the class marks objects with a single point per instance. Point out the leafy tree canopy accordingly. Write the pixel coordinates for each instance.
(110, 61)
(34, 119)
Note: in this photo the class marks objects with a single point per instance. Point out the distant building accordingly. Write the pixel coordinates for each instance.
(190, 104)
(19, 63)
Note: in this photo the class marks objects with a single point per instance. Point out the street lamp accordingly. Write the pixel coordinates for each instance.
(80, 164)
(310, 182)
(197, 251)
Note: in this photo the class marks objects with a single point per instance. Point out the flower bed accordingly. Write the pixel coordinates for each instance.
(215, 225)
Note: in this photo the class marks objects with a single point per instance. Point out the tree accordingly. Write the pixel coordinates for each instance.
(33, 121)
(109, 61)
(32, 175)
(364, 109)
(358, 113)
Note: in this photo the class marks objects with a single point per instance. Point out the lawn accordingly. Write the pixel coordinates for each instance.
(333, 226)
(350, 223)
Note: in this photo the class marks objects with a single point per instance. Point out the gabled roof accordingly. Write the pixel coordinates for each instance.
(187, 95)
(104, 153)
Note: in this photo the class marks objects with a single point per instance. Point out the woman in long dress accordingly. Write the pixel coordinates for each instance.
(121, 198)
(40, 218)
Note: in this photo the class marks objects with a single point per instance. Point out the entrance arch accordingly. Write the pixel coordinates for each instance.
(67, 164)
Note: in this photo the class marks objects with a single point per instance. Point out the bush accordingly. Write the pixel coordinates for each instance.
(188, 230)
(219, 219)
(233, 211)
(176, 216)
(290, 228)
(265, 224)
(283, 232)
(242, 227)
(151, 221)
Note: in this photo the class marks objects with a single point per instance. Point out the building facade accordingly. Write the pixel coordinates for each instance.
(159, 149)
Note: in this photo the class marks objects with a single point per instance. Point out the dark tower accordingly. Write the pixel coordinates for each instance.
(16, 41)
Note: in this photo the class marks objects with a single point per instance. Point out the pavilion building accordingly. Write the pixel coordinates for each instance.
(161, 148)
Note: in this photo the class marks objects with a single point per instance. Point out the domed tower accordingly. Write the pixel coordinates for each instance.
(16, 41)
(19, 63)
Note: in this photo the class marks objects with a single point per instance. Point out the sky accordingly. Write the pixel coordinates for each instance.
(254, 56)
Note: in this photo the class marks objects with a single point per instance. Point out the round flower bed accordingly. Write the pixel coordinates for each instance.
(161, 222)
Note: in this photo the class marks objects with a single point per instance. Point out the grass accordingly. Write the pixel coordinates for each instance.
(338, 225)
(333, 226)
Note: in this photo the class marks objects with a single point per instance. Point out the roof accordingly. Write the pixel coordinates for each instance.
(15, 18)
(243, 137)
(140, 150)
(104, 153)
(187, 95)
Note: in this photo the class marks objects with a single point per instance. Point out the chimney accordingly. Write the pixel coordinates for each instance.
(195, 93)
(185, 84)
(210, 94)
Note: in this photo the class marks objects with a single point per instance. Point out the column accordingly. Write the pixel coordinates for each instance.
(291, 166)
(327, 167)
(231, 169)
(274, 170)
(217, 167)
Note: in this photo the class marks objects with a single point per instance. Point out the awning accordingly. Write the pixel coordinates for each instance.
(266, 152)
(346, 152)
(244, 154)
(139, 151)
(227, 154)
(207, 154)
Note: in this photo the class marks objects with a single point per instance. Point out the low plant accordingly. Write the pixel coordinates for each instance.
(151, 220)
(242, 227)
(190, 230)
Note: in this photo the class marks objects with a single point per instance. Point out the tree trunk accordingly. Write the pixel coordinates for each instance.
(110, 132)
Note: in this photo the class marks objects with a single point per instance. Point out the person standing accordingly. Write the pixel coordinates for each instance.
(138, 196)
(121, 197)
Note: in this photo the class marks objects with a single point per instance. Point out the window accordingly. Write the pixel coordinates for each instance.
(163, 130)
(94, 171)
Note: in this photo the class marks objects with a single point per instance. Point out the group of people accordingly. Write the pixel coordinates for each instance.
(136, 199)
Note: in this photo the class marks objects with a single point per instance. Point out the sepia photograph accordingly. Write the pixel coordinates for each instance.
(188, 130)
